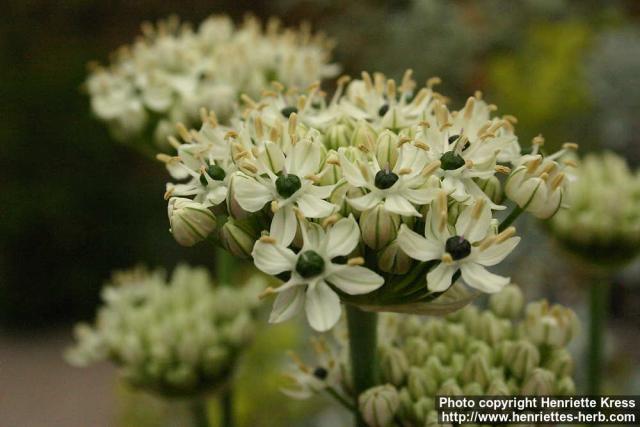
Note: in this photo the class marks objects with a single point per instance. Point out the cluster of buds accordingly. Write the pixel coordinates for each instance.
(380, 196)
(602, 223)
(500, 351)
(172, 71)
(174, 338)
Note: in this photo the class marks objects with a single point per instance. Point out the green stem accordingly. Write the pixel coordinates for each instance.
(363, 336)
(226, 403)
(224, 266)
(199, 412)
(515, 213)
(598, 307)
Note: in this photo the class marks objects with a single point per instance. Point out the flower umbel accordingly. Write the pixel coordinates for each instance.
(175, 338)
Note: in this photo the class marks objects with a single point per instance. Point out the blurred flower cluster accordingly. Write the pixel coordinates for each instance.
(602, 222)
(380, 184)
(505, 350)
(172, 71)
(175, 338)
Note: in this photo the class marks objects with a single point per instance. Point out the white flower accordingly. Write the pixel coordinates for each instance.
(313, 272)
(288, 182)
(469, 247)
(399, 188)
(538, 185)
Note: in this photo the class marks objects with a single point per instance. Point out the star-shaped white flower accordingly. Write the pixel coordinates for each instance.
(399, 188)
(288, 182)
(312, 269)
(469, 247)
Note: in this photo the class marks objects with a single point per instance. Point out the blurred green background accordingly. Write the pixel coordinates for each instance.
(76, 205)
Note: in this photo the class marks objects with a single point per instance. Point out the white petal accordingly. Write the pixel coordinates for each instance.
(305, 158)
(342, 238)
(496, 253)
(351, 172)
(287, 304)
(474, 229)
(478, 277)
(365, 202)
(439, 278)
(398, 204)
(322, 306)
(320, 191)
(284, 225)
(420, 196)
(314, 207)
(355, 280)
(417, 247)
(251, 194)
(272, 258)
(273, 157)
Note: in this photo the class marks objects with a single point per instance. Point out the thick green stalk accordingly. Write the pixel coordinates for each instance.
(199, 412)
(598, 307)
(224, 266)
(226, 404)
(515, 213)
(363, 343)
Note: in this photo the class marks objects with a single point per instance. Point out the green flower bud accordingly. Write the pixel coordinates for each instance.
(405, 410)
(387, 149)
(378, 405)
(450, 388)
(394, 365)
(421, 384)
(560, 362)
(392, 259)
(431, 420)
(238, 237)
(477, 370)
(550, 325)
(522, 358)
(363, 135)
(190, 222)
(507, 303)
(565, 387)
(379, 227)
(472, 389)
(331, 173)
(441, 351)
(539, 382)
(422, 407)
(417, 350)
(490, 328)
(492, 188)
(434, 368)
(479, 347)
(497, 387)
(456, 337)
(337, 135)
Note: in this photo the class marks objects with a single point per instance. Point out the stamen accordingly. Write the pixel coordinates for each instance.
(433, 81)
(570, 146)
(447, 258)
(355, 261)
(503, 169)
(268, 239)
(557, 180)
(505, 234)
(330, 220)
(247, 100)
(267, 292)
(184, 132)
(431, 168)
(404, 171)
(274, 206)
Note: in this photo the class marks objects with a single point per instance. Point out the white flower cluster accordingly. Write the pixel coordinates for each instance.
(174, 338)
(602, 222)
(379, 185)
(172, 71)
(499, 351)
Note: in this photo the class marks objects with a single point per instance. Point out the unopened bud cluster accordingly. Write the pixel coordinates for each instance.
(602, 222)
(505, 350)
(174, 338)
(173, 70)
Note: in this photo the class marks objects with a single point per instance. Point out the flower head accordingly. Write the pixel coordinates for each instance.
(411, 185)
(173, 70)
(177, 337)
(602, 222)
